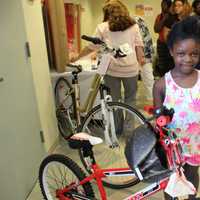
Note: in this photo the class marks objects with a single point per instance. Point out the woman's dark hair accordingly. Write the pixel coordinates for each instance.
(195, 3)
(168, 2)
(183, 1)
(117, 15)
(188, 28)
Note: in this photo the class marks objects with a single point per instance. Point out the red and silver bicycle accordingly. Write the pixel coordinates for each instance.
(153, 154)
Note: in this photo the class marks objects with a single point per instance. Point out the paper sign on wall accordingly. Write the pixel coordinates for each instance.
(139, 9)
(143, 10)
(148, 10)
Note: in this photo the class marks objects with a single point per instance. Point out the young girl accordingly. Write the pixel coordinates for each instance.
(180, 89)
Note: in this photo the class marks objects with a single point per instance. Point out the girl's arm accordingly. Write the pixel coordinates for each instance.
(159, 93)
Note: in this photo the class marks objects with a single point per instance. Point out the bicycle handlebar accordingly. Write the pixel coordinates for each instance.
(117, 52)
(94, 40)
(78, 67)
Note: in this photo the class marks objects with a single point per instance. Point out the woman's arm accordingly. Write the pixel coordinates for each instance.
(159, 23)
(139, 45)
(159, 93)
(140, 55)
(84, 52)
(165, 33)
(89, 48)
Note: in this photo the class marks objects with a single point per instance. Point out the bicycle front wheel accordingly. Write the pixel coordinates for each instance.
(58, 172)
(126, 119)
(64, 107)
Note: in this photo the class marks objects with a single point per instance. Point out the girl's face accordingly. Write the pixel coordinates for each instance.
(186, 54)
(178, 7)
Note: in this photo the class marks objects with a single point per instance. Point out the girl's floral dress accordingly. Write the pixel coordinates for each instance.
(186, 119)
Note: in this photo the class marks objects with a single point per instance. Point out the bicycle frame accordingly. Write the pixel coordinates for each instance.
(75, 92)
(107, 113)
(98, 174)
(96, 81)
(93, 91)
(174, 159)
(89, 102)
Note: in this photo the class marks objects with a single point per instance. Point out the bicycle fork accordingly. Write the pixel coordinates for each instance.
(108, 117)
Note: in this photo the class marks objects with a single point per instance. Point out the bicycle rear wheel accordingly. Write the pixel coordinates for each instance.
(126, 119)
(58, 172)
(64, 107)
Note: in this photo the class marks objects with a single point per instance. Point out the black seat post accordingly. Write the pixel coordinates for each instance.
(85, 147)
(103, 90)
(76, 94)
(74, 77)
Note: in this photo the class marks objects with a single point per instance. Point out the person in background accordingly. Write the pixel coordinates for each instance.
(147, 68)
(118, 29)
(164, 59)
(196, 7)
(180, 9)
(196, 10)
(180, 89)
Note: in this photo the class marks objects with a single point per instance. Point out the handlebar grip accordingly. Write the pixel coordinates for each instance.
(94, 40)
(163, 120)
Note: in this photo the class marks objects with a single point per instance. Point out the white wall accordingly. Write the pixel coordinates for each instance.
(40, 69)
(92, 14)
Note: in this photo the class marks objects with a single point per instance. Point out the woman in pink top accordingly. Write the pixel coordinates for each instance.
(120, 29)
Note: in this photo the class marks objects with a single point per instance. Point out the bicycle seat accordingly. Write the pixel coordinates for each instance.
(81, 140)
(141, 155)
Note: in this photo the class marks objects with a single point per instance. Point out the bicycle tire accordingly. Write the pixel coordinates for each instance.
(51, 168)
(105, 156)
(64, 107)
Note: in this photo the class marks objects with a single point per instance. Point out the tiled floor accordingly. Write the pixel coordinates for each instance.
(111, 193)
